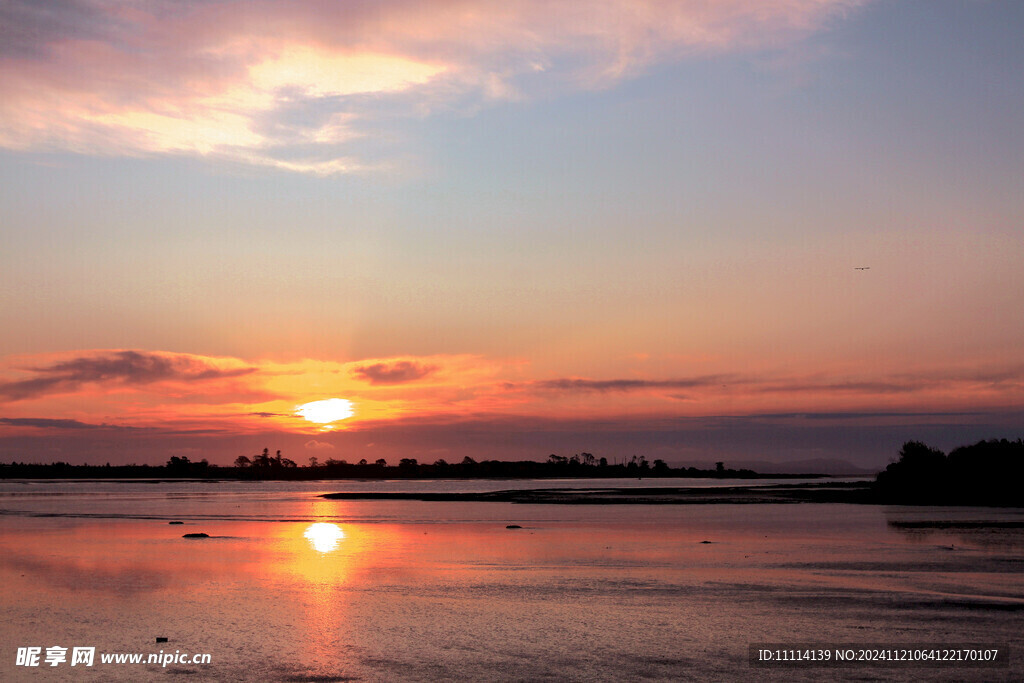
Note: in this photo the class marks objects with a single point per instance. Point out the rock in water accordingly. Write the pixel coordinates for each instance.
(199, 535)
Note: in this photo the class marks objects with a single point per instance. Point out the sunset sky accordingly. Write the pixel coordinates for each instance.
(694, 230)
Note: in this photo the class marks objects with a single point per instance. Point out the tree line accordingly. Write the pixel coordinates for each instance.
(264, 466)
(578, 465)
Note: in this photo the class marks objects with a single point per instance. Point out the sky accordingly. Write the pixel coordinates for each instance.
(696, 231)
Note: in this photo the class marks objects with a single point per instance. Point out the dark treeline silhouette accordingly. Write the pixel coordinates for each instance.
(987, 473)
(264, 466)
(264, 459)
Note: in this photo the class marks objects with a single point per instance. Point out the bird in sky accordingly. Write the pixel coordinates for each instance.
(862, 267)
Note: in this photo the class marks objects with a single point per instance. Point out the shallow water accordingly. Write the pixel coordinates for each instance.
(409, 590)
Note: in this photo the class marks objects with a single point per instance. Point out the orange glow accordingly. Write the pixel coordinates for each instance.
(324, 537)
(236, 396)
(326, 411)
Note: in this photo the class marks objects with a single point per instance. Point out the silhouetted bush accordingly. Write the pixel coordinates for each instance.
(987, 473)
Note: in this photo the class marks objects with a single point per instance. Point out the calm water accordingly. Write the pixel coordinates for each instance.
(292, 587)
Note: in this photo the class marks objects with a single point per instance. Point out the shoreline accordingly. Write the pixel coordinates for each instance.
(130, 473)
(837, 492)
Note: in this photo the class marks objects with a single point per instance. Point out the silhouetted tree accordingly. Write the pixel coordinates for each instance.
(263, 459)
(242, 461)
(919, 476)
(989, 472)
(178, 463)
(182, 465)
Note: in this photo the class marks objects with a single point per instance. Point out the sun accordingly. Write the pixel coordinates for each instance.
(324, 537)
(326, 411)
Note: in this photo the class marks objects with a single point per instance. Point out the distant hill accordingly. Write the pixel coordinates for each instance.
(831, 466)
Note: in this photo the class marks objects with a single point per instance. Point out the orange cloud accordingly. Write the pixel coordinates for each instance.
(285, 84)
(182, 393)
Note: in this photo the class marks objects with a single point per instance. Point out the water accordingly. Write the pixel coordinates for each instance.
(290, 586)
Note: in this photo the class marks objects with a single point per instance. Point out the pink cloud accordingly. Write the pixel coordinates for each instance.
(399, 372)
(119, 368)
(225, 79)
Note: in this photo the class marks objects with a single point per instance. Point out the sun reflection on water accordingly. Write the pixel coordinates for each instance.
(324, 537)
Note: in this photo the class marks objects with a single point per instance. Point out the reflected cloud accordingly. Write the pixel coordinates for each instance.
(127, 579)
(998, 531)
